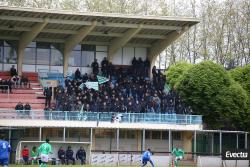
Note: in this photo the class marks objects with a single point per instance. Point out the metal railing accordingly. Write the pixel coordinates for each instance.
(157, 118)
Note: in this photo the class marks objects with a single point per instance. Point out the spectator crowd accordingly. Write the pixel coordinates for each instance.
(129, 89)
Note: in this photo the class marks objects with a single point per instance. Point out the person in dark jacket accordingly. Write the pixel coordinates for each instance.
(81, 155)
(13, 71)
(77, 74)
(69, 155)
(19, 106)
(61, 155)
(47, 93)
(95, 67)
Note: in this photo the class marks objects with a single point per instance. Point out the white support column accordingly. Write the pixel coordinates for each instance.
(72, 41)
(158, 46)
(40, 134)
(91, 136)
(237, 141)
(117, 139)
(9, 135)
(143, 139)
(169, 140)
(220, 142)
(212, 145)
(245, 140)
(64, 134)
(195, 143)
(24, 41)
(117, 43)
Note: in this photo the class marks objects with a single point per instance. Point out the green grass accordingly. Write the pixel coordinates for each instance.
(78, 166)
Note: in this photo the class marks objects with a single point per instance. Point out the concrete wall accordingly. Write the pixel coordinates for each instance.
(127, 159)
(125, 55)
(209, 161)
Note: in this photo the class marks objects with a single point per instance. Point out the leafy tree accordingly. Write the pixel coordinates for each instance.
(242, 76)
(175, 71)
(211, 92)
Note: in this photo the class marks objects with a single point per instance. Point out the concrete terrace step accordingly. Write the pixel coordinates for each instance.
(37, 88)
(24, 91)
(26, 100)
(12, 106)
(19, 95)
(34, 84)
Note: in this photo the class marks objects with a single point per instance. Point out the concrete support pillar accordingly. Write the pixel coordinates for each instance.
(120, 42)
(20, 56)
(159, 46)
(220, 142)
(195, 144)
(64, 134)
(187, 143)
(9, 135)
(212, 144)
(117, 139)
(237, 141)
(143, 139)
(24, 41)
(245, 140)
(92, 138)
(72, 41)
(40, 134)
(169, 141)
(138, 140)
(66, 55)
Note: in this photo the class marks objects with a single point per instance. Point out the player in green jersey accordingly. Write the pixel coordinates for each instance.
(44, 151)
(179, 155)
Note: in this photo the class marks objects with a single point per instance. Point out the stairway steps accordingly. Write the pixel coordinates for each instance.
(25, 100)
(12, 106)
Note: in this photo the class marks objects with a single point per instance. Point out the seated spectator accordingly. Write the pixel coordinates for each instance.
(15, 80)
(19, 106)
(61, 155)
(81, 154)
(24, 80)
(69, 155)
(27, 108)
(13, 71)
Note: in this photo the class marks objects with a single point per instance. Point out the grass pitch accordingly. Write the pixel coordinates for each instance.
(79, 166)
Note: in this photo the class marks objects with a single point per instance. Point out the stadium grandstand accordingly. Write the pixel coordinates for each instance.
(89, 79)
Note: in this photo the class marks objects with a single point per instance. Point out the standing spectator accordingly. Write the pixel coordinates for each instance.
(154, 72)
(61, 155)
(104, 66)
(95, 67)
(47, 93)
(77, 74)
(13, 71)
(81, 154)
(69, 155)
(25, 155)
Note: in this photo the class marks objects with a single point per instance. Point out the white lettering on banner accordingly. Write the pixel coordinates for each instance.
(236, 155)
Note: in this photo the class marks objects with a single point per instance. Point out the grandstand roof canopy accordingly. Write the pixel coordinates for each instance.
(63, 24)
